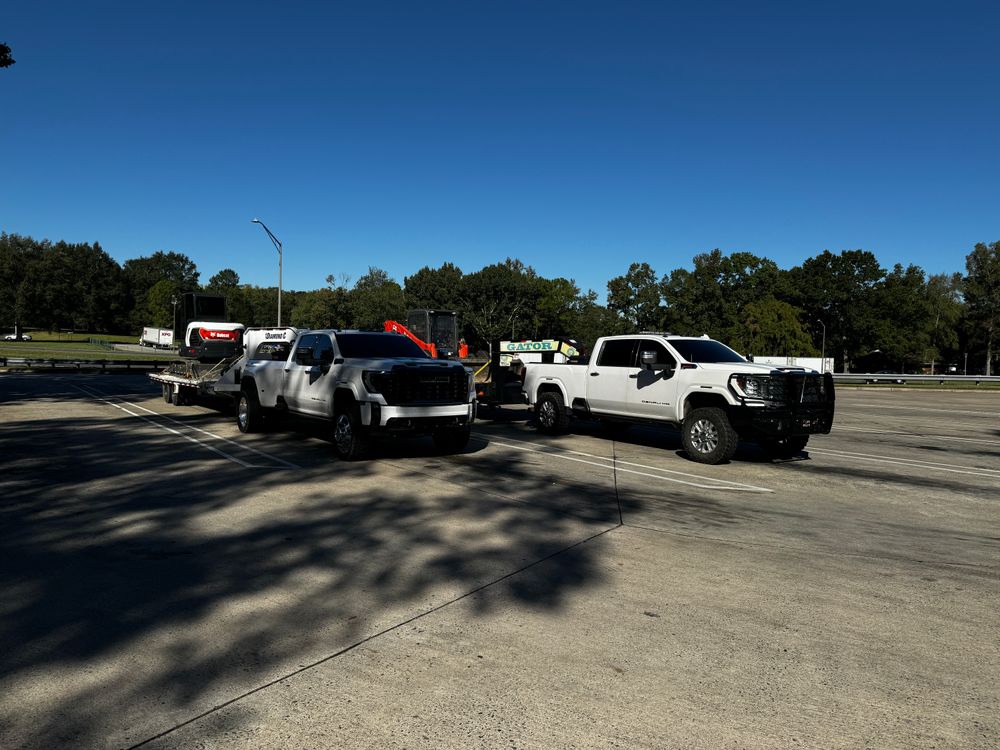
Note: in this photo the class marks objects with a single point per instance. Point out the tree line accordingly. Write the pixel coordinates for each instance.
(844, 305)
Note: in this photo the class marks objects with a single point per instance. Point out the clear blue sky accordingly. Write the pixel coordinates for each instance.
(576, 136)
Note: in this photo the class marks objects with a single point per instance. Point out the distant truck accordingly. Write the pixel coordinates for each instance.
(161, 338)
(701, 386)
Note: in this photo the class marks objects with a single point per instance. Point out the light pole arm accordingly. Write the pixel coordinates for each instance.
(277, 246)
(275, 240)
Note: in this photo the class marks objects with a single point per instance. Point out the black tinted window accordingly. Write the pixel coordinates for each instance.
(617, 353)
(367, 345)
(308, 342)
(705, 350)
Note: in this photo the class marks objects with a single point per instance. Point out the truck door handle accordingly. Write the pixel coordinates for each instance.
(594, 374)
(634, 377)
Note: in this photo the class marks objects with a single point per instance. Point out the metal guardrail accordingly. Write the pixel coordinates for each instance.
(84, 364)
(862, 378)
(881, 378)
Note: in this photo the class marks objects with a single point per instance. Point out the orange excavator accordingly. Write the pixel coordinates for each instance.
(434, 331)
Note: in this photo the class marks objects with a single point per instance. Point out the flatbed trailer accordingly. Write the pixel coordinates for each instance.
(186, 380)
(183, 382)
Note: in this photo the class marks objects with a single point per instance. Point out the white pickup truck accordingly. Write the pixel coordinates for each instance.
(707, 390)
(366, 383)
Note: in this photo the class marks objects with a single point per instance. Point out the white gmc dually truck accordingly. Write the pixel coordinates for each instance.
(366, 383)
(712, 394)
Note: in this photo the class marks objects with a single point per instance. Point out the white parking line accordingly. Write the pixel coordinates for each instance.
(918, 435)
(229, 457)
(717, 484)
(919, 408)
(910, 462)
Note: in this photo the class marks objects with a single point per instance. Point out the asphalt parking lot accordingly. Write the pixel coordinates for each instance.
(170, 583)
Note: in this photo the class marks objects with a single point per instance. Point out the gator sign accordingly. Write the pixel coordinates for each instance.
(542, 345)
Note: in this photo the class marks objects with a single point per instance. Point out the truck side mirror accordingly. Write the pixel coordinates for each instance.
(647, 359)
(304, 356)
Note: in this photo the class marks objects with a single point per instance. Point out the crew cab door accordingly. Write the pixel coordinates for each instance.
(308, 381)
(607, 376)
(652, 389)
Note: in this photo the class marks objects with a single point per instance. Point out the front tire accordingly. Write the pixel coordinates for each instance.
(349, 439)
(551, 413)
(783, 448)
(708, 436)
(452, 440)
(248, 412)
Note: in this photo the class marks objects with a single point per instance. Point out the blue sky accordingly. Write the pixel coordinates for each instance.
(578, 136)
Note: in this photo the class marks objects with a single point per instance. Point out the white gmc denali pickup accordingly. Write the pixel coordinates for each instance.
(707, 390)
(366, 383)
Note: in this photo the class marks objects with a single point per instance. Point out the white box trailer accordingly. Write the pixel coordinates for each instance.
(809, 363)
(161, 338)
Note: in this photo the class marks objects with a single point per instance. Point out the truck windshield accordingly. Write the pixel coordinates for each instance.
(705, 350)
(377, 345)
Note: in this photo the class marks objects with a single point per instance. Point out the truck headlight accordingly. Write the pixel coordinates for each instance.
(375, 381)
(758, 387)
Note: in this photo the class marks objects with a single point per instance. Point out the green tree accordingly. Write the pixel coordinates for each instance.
(160, 303)
(903, 318)
(944, 302)
(17, 255)
(374, 299)
(497, 302)
(772, 327)
(982, 295)
(145, 272)
(553, 311)
(434, 288)
(840, 291)
(588, 320)
(712, 297)
(635, 297)
(5, 56)
(323, 308)
(223, 281)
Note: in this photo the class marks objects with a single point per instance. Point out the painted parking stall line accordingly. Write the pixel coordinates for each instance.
(919, 435)
(135, 410)
(910, 463)
(628, 467)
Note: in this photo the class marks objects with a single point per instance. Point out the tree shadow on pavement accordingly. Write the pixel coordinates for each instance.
(145, 581)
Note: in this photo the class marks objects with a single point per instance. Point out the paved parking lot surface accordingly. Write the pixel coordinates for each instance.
(170, 583)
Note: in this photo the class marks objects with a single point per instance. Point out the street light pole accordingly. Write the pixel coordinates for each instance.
(277, 245)
(823, 350)
(173, 301)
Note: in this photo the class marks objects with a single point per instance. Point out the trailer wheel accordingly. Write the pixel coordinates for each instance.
(552, 417)
(781, 448)
(452, 439)
(350, 440)
(166, 393)
(248, 412)
(708, 436)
